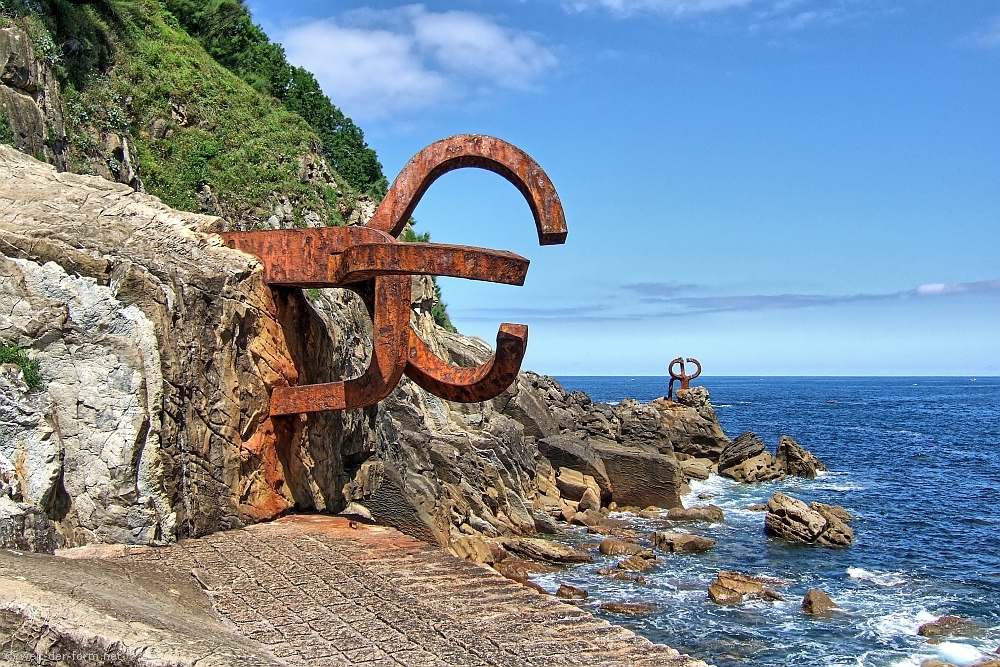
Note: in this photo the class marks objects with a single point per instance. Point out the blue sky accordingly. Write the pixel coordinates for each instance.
(802, 187)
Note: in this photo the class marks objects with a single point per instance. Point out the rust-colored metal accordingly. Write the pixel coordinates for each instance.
(454, 383)
(473, 150)
(339, 256)
(469, 385)
(369, 261)
(684, 378)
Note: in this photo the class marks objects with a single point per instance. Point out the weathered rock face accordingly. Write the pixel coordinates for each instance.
(641, 478)
(793, 520)
(796, 461)
(691, 422)
(160, 347)
(29, 98)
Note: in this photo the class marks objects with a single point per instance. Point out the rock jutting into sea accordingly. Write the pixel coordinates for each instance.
(794, 521)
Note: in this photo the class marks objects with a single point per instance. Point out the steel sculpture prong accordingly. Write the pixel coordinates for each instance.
(454, 383)
(369, 261)
(684, 378)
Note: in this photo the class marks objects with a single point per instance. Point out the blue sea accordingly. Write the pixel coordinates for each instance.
(915, 460)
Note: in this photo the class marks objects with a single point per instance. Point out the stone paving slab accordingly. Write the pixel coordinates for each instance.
(321, 590)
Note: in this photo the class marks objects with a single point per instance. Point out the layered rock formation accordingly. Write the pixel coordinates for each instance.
(792, 520)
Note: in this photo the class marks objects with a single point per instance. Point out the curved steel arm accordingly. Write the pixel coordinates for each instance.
(390, 313)
(480, 383)
(473, 150)
(469, 385)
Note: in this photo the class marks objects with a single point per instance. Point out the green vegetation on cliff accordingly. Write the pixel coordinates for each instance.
(190, 100)
(12, 354)
(225, 29)
(201, 137)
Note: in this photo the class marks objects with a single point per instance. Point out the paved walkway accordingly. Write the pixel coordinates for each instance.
(319, 590)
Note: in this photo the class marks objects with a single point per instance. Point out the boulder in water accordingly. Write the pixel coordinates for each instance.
(817, 602)
(950, 626)
(567, 592)
(681, 543)
(734, 587)
(794, 521)
(628, 608)
(795, 460)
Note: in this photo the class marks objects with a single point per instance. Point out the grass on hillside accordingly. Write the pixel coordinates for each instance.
(124, 64)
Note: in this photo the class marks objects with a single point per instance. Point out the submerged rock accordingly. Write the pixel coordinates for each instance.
(627, 608)
(949, 626)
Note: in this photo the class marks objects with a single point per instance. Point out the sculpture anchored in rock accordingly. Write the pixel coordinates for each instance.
(684, 378)
(369, 261)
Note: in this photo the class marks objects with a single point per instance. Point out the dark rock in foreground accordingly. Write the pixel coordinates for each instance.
(817, 602)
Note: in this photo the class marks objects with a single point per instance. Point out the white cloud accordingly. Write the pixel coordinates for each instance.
(988, 35)
(779, 14)
(380, 63)
(674, 7)
(939, 289)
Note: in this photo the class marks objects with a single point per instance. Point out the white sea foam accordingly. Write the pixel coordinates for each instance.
(901, 623)
(885, 579)
(958, 654)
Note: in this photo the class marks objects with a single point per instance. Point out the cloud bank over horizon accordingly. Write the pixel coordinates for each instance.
(377, 63)
(675, 301)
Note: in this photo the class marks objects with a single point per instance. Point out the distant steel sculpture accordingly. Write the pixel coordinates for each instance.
(369, 261)
(684, 378)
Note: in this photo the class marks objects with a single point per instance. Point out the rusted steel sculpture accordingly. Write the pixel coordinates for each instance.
(684, 378)
(369, 261)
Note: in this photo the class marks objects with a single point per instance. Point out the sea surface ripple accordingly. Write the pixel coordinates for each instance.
(916, 460)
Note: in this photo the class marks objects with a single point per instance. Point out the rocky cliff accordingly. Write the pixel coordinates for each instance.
(159, 348)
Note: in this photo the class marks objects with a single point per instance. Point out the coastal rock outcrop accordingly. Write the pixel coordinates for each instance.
(794, 521)
(692, 424)
(746, 459)
(796, 461)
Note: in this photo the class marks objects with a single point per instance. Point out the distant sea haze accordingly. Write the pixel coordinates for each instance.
(916, 460)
